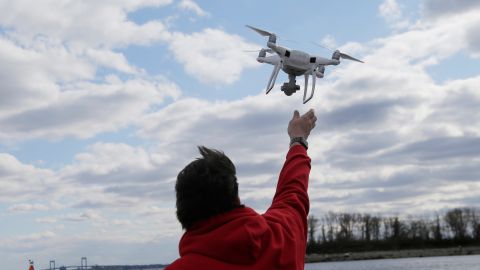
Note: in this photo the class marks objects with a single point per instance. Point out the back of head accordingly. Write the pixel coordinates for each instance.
(206, 187)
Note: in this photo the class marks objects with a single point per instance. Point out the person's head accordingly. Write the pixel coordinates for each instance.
(206, 187)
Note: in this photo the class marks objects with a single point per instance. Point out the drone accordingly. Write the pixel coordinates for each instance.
(295, 63)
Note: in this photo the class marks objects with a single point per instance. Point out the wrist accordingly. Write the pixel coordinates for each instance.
(299, 141)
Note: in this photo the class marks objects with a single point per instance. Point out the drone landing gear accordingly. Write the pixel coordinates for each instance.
(290, 87)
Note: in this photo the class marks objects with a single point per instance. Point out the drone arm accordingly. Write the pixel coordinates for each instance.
(325, 61)
(272, 60)
(281, 51)
(273, 77)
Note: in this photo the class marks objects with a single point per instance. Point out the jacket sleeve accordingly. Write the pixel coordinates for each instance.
(290, 204)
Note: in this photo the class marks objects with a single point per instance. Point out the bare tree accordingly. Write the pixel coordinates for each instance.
(312, 228)
(475, 223)
(367, 227)
(456, 220)
(437, 228)
(347, 223)
(331, 222)
(324, 236)
(375, 223)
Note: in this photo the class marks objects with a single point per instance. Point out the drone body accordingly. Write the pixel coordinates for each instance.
(295, 63)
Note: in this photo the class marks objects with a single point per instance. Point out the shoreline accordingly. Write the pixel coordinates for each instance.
(392, 254)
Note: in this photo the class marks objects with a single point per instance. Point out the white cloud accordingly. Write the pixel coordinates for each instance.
(192, 6)
(21, 182)
(391, 11)
(88, 215)
(212, 55)
(85, 109)
(51, 55)
(61, 48)
(328, 42)
(27, 207)
(81, 24)
(37, 236)
(436, 9)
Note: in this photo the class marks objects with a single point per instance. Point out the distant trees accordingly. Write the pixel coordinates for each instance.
(312, 228)
(457, 221)
(344, 232)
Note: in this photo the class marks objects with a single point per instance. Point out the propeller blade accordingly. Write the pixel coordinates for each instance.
(260, 31)
(342, 55)
(346, 56)
(266, 50)
(323, 46)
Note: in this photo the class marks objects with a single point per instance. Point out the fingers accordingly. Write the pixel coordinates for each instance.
(309, 114)
(312, 121)
(296, 114)
(311, 118)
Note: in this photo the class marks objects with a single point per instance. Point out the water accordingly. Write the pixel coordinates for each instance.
(471, 262)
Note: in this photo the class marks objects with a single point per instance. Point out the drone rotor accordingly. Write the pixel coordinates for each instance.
(337, 55)
(271, 36)
(260, 31)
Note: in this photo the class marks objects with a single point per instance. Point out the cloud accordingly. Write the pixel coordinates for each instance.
(62, 50)
(65, 51)
(205, 55)
(87, 215)
(38, 236)
(86, 109)
(86, 24)
(391, 11)
(329, 42)
(27, 207)
(21, 182)
(192, 6)
(436, 9)
(437, 149)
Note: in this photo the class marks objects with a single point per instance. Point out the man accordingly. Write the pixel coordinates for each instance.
(221, 233)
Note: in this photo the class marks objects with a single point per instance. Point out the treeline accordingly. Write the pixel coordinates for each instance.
(349, 232)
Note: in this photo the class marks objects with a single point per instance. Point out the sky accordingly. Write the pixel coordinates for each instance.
(102, 103)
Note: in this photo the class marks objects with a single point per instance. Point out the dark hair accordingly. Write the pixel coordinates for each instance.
(206, 187)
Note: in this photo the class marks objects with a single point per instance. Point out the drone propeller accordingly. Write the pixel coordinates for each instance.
(260, 31)
(323, 46)
(268, 50)
(339, 54)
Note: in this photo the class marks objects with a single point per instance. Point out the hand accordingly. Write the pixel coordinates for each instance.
(300, 126)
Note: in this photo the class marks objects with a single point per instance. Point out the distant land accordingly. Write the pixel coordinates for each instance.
(393, 254)
(112, 267)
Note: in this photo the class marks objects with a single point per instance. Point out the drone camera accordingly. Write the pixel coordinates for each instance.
(290, 87)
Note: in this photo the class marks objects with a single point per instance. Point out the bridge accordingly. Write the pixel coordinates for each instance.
(83, 266)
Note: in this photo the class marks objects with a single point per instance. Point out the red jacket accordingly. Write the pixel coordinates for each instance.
(243, 239)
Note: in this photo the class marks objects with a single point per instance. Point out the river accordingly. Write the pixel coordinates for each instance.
(471, 262)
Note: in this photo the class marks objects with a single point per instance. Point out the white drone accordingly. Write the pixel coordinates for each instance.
(295, 63)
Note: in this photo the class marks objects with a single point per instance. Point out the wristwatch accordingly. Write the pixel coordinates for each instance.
(300, 140)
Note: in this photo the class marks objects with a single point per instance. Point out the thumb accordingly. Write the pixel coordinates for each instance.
(296, 114)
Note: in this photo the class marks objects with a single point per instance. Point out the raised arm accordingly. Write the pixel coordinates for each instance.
(290, 204)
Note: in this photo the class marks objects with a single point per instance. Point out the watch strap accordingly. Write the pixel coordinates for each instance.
(300, 140)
